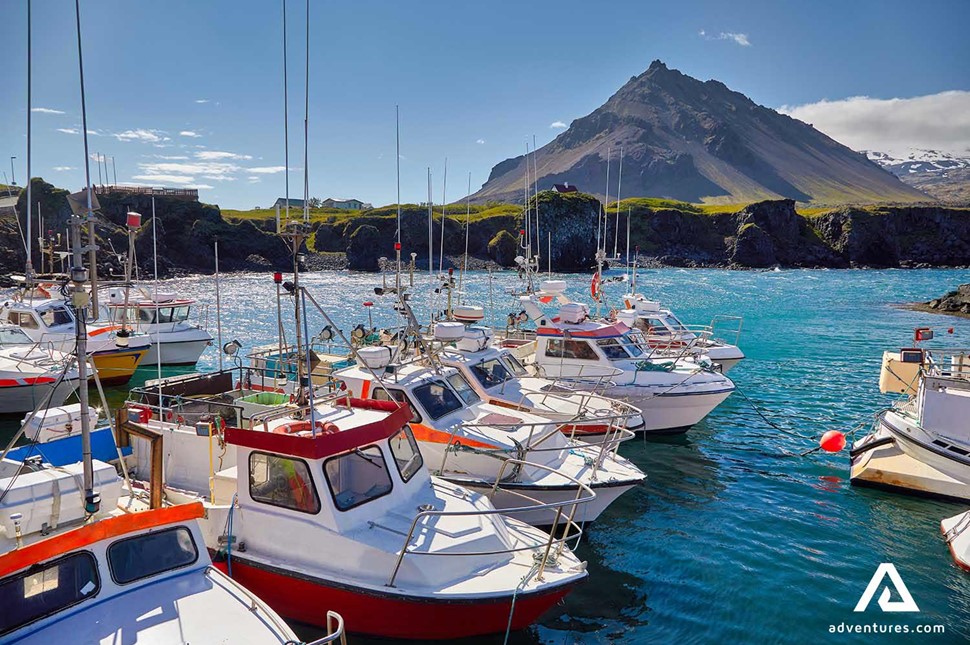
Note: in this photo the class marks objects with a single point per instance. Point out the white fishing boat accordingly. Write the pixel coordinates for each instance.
(478, 444)
(31, 374)
(500, 378)
(673, 394)
(397, 552)
(114, 352)
(164, 320)
(665, 333)
(928, 427)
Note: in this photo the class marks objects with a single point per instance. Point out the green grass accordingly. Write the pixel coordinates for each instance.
(455, 212)
(316, 214)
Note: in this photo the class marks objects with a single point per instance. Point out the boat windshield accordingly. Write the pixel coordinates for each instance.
(463, 388)
(632, 340)
(46, 589)
(514, 365)
(164, 314)
(147, 555)
(437, 399)
(613, 349)
(491, 372)
(56, 316)
(13, 336)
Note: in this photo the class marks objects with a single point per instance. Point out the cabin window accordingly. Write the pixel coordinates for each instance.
(150, 554)
(653, 326)
(514, 364)
(46, 589)
(357, 477)
(463, 388)
(56, 316)
(181, 314)
(491, 372)
(437, 398)
(632, 342)
(574, 349)
(165, 314)
(22, 319)
(379, 394)
(13, 336)
(406, 454)
(282, 481)
(613, 350)
(146, 316)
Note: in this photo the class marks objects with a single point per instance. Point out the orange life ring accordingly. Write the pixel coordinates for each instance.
(294, 427)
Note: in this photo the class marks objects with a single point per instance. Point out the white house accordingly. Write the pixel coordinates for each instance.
(349, 204)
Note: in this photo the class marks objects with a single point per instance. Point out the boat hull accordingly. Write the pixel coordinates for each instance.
(390, 614)
(670, 412)
(116, 366)
(915, 443)
(957, 537)
(17, 398)
(179, 352)
(506, 497)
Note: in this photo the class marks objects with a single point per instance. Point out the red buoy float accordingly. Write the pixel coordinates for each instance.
(832, 441)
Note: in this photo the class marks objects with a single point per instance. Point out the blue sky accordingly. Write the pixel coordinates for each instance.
(189, 92)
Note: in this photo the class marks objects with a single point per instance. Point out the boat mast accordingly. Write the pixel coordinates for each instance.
(464, 259)
(397, 244)
(619, 183)
(430, 228)
(535, 192)
(29, 267)
(79, 299)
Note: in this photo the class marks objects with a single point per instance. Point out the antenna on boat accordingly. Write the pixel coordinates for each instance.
(629, 211)
(464, 259)
(430, 228)
(535, 191)
(606, 201)
(30, 267)
(397, 159)
(444, 217)
(158, 344)
(219, 304)
(619, 183)
(80, 298)
(286, 135)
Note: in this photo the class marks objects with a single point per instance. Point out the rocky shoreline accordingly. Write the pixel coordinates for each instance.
(763, 235)
(954, 303)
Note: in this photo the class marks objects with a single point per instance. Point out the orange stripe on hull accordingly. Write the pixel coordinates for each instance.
(426, 433)
(95, 532)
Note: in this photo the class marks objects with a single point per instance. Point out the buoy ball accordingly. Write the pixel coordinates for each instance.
(832, 441)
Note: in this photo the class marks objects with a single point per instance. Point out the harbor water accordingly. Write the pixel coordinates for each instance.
(736, 536)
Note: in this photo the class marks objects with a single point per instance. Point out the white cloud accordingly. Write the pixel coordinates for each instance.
(254, 180)
(43, 110)
(206, 169)
(267, 170)
(480, 141)
(213, 155)
(171, 157)
(166, 179)
(142, 135)
(736, 37)
(558, 125)
(63, 168)
(69, 130)
(97, 157)
(934, 121)
(201, 100)
(189, 133)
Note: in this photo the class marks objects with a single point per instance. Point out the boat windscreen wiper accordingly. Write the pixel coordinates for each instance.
(360, 453)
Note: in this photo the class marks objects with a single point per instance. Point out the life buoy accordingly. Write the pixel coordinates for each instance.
(594, 286)
(295, 427)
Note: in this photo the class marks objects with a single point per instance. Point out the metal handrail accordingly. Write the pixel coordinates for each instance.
(568, 527)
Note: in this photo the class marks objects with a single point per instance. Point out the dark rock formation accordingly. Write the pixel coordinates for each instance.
(360, 248)
(956, 303)
(503, 248)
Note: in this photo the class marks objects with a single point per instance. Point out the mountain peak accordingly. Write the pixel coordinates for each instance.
(699, 141)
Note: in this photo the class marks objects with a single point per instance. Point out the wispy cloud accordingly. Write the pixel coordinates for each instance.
(254, 180)
(97, 157)
(43, 110)
(934, 121)
(213, 155)
(558, 125)
(63, 168)
(734, 36)
(165, 179)
(171, 157)
(480, 141)
(201, 100)
(266, 170)
(189, 133)
(142, 135)
(69, 130)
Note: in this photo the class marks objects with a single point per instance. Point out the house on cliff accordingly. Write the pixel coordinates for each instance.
(564, 188)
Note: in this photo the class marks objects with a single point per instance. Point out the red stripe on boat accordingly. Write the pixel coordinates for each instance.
(606, 331)
(324, 445)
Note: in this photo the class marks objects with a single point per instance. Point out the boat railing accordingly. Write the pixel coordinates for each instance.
(953, 363)
(562, 528)
(723, 329)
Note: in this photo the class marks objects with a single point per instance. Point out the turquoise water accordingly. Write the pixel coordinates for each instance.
(732, 539)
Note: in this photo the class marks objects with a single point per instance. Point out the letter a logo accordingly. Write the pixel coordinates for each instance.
(905, 604)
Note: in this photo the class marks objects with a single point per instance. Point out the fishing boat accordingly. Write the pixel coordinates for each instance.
(663, 331)
(615, 360)
(115, 353)
(397, 552)
(500, 378)
(164, 319)
(477, 443)
(920, 444)
(30, 374)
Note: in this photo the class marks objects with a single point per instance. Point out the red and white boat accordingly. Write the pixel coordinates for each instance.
(397, 552)
(30, 374)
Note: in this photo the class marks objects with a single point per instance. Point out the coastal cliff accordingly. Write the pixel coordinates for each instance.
(759, 235)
